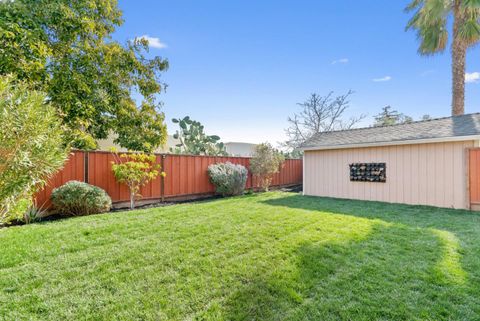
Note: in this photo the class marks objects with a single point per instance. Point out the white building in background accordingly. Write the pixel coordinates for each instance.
(240, 149)
(233, 148)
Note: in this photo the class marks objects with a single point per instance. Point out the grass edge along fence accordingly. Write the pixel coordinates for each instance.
(187, 176)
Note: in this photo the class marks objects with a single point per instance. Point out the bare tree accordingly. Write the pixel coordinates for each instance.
(319, 114)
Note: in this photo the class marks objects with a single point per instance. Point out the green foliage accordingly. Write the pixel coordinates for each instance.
(389, 117)
(228, 178)
(65, 49)
(249, 191)
(24, 211)
(194, 141)
(16, 212)
(34, 214)
(293, 154)
(265, 162)
(141, 131)
(430, 20)
(76, 198)
(31, 149)
(135, 170)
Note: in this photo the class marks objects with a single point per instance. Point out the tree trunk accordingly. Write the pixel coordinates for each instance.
(132, 200)
(459, 51)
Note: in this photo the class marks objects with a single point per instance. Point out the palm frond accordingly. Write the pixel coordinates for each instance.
(433, 39)
(469, 31)
(414, 5)
(414, 22)
(435, 9)
(471, 3)
(430, 23)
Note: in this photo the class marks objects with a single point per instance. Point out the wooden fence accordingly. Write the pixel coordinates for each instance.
(187, 176)
(474, 178)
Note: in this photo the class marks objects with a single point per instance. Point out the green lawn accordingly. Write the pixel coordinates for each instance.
(273, 256)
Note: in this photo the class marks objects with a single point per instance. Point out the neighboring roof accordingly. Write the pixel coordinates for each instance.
(455, 128)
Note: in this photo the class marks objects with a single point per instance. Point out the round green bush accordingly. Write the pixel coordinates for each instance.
(76, 198)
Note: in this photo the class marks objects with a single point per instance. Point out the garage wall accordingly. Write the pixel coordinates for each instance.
(427, 174)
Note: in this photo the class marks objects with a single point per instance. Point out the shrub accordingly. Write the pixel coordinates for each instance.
(228, 178)
(76, 198)
(135, 170)
(34, 214)
(265, 162)
(24, 211)
(16, 212)
(31, 145)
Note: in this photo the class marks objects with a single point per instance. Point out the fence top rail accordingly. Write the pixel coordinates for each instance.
(168, 154)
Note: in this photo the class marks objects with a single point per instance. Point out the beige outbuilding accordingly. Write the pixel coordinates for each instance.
(424, 163)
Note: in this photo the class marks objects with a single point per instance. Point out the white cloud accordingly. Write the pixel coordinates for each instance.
(386, 78)
(340, 61)
(472, 76)
(153, 42)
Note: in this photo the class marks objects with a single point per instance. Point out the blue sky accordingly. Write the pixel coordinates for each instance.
(240, 67)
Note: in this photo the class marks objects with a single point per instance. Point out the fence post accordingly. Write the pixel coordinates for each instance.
(250, 173)
(162, 178)
(85, 168)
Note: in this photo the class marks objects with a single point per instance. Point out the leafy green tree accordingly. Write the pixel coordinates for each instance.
(194, 141)
(430, 20)
(135, 170)
(65, 49)
(389, 116)
(31, 144)
(265, 162)
(293, 154)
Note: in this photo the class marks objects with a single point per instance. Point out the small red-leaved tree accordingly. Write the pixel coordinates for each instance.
(265, 162)
(135, 170)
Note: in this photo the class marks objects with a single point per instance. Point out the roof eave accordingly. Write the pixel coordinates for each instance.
(393, 143)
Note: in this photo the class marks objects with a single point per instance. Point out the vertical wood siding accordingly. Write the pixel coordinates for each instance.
(426, 174)
(186, 175)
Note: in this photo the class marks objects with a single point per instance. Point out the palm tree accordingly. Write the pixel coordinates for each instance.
(430, 22)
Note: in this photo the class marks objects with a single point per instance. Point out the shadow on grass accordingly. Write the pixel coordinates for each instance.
(412, 215)
(403, 269)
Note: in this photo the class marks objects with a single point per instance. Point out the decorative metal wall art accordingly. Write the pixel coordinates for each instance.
(368, 172)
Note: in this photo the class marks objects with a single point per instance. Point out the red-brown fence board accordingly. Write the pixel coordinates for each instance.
(186, 175)
(74, 169)
(474, 175)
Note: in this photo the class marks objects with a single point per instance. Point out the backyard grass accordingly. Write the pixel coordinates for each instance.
(272, 256)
